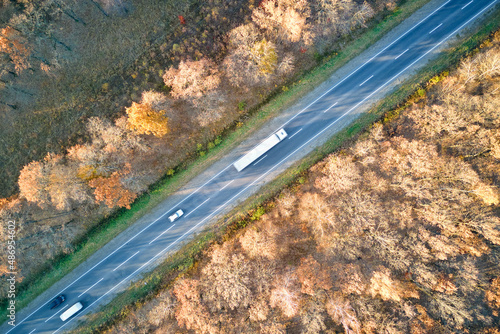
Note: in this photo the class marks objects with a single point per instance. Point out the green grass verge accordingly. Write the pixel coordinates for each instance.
(163, 276)
(109, 228)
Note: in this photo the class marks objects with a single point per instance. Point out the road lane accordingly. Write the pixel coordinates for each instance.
(156, 239)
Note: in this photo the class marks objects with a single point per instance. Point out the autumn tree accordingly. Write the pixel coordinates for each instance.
(348, 278)
(114, 137)
(143, 119)
(260, 242)
(16, 48)
(317, 212)
(163, 309)
(285, 20)
(32, 183)
(484, 65)
(492, 295)
(340, 174)
(388, 288)
(192, 78)
(190, 311)
(341, 17)
(211, 107)
(286, 294)
(111, 147)
(112, 191)
(312, 277)
(252, 59)
(259, 309)
(341, 311)
(226, 282)
(313, 317)
(65, 186)
(53, 182)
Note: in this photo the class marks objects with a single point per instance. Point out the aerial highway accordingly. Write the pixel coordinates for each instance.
(94, 283)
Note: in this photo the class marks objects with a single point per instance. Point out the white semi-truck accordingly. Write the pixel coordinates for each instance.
(259, 150)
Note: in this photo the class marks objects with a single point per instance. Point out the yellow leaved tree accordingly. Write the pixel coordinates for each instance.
(143, 119)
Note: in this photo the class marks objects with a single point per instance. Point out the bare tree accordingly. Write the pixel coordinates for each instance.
(226, 280)
(341, 311)
(192, 79)
(286, 294)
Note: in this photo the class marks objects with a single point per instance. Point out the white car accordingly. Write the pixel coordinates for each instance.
(176, 215)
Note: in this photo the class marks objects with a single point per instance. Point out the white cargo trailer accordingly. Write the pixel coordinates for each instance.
(259, 150)
(71, 311)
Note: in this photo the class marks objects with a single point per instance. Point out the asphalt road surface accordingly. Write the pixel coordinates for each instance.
(333, 105)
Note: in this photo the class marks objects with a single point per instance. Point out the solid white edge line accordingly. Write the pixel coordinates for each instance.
(197, 207)
(333, 105)
(162, 233)
(361, 84)
(90, 287)
(404, 34)
(467, 4)
(226, 185)
(98, 263)
(53, 315)
(401, 54)
(361, 66)
(329, 90)
(126, 260)
(204, 184)
(260, 159)
(430, 32)
(258, 179)
(295, 133)
(347, 112)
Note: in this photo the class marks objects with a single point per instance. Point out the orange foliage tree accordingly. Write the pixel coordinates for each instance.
(190, 312)
(53, 182)
(111, 190)
(16, 47)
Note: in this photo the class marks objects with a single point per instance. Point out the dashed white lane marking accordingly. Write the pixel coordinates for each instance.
(197, 207)
(295, 134)
(226, 185)
(430, 32)
(361, 84)
(56, 313)
(90, 287)
(271, 169)
(467, 4)
(32, 331)
(360, 67)
(280, 127)
(162, 233)
(321, 96)
(342, 116)
(126, 261)
(333, 105)
(402, 53)
(260, 160)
